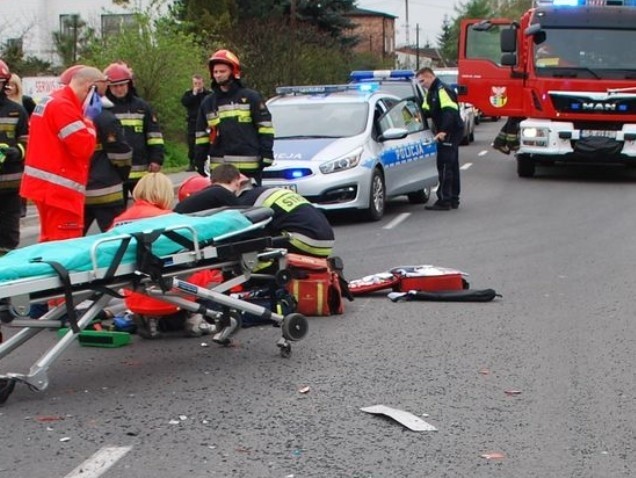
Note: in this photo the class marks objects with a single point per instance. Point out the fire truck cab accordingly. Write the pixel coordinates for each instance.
(568, 68)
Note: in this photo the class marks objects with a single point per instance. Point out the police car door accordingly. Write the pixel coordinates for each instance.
(409, 162)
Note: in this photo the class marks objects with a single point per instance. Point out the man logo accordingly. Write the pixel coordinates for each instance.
(598, 106)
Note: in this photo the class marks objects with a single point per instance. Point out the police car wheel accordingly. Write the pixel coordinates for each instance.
(377, 196)
(419, 197)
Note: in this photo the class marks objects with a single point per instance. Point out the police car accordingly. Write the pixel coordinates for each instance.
(350, 147)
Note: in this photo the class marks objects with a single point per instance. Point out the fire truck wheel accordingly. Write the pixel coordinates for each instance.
(525, 166)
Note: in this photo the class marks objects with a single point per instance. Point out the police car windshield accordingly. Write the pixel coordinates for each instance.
(401, 89)
(319, 119)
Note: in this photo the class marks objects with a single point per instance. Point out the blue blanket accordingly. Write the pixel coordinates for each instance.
(74, 254)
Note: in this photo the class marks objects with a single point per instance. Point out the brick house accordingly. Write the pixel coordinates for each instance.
(375, 30)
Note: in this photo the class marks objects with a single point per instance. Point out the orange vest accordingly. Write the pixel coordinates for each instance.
(61, 144)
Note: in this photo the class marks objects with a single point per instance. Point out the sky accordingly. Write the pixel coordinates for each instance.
(429, 14)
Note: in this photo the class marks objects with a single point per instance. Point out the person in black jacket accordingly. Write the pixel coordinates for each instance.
(192, 99)
(225, 182)
(441, 106)
(140, 124)
(233, 125)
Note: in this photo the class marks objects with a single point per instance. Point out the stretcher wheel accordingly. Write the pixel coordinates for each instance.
(282, 277)
(295, 326)
(6, 388)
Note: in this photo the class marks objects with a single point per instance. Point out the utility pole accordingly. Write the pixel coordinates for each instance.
(408, 40)
(417, 46)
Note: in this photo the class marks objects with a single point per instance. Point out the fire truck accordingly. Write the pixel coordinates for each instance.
(568, 69)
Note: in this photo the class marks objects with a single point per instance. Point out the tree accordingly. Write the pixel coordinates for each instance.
(471, 9)
(72, 41)
(513, 9)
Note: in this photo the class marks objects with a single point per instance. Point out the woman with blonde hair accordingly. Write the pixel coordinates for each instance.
(153, 196)
(15, 93)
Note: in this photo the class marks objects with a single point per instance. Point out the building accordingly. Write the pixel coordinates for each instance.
(33, 22)
(412, 58)
(375, 30)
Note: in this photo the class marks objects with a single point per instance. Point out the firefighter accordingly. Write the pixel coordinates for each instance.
(140, 124)
(14, 126)
(109, 170)
(14, 123)
(233, 125)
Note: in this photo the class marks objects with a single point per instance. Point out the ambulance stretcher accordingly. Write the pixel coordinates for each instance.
(147, 256)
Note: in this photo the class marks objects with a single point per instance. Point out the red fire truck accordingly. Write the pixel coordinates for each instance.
(568, 67)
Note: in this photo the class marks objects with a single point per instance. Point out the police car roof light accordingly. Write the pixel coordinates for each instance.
(367, 75)
(324, 89)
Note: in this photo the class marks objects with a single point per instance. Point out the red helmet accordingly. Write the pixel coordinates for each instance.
(67, 75)
(5, 74)
(118, 74)
(227, 58)
(192, 185)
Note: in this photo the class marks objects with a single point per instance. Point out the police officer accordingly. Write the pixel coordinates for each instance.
(233, 125)
(140, 124)
(191, 100)
(442, 107)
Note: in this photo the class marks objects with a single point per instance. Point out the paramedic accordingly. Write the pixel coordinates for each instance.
(13, 140)
(233, 125)
(442, 107)
(62, 141)
(140, 124)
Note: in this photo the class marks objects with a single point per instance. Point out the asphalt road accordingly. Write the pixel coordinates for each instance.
(539, 383)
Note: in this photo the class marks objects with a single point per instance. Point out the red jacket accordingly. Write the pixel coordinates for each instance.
(140, 303)
(61, 144)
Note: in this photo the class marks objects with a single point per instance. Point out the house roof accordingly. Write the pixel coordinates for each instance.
(362, 12)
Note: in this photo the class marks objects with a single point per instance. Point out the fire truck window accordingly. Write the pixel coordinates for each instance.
(484, 44)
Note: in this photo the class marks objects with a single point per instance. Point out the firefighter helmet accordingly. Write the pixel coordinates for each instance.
(118, 74)
(5, 73)
(227, 58)
(192, 185)
(67, 75)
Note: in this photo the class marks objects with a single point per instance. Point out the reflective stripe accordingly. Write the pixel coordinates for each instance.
(7, 120)
(11, 176)
(54, 179)
(445, 101)
(154, 141)
(316, 247)
(103, 191)
(240, 162)
(285, 199)
(71, 128)
(234, 106)
(119, 156)
(113, 198)
(203, 140)
(21, 148)
(265, 130)
(235, 114)
(132, 122)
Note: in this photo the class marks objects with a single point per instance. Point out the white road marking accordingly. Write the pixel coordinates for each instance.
(397, 220)
(99, 463)
(483, 153)
(466, 166)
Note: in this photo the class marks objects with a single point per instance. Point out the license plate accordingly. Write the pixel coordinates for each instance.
(291, 187)
(590, 133)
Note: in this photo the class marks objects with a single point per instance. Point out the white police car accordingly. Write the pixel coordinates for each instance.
(350, 147)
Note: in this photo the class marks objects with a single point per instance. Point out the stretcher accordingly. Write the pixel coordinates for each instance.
(150, 257)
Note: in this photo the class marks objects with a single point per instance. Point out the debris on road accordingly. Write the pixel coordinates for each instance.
(405, 418)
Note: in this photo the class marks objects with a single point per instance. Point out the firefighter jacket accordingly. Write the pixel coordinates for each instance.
(110, 164)
(442, 107)
(14, 130)
(136, 302)
(59, 153)
(141, 130)
(307, 227)
(234, 127)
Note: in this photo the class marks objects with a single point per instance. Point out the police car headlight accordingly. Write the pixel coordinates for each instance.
(348, 161)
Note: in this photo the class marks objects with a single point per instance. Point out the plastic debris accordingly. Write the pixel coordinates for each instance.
(305, 389)
(182, 417)
(495, 455)
(47, 418)
(512, 392)
(484, 371)
(407, 419)
(205, 344)
(65, 439)
(174, 422)
(297, 453)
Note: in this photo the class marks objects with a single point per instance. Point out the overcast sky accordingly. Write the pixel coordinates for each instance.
(429, 14)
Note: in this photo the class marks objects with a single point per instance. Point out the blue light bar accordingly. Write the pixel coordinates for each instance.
(583, 3)
(366, 75)
(325, 89)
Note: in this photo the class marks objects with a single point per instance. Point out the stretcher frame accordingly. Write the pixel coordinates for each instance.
(227, 252)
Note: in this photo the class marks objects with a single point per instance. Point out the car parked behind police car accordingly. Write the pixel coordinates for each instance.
(349, 147)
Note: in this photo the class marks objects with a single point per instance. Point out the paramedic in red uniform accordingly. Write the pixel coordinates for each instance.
(442, 107)
(234, 125)
(62, 141)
